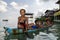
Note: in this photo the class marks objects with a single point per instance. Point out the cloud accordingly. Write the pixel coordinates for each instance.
(41, 1)
(46, 5)
(42, 6)
(3, 6)
(17, 6)
(37, 2)
(38, 6)
(45, 0)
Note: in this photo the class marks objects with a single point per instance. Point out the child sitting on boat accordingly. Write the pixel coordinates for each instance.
(38, 24)
(22, 20)
(48, 24)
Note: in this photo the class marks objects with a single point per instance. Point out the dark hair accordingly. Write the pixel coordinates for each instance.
(22, 9)
(48, 20)
(36, 21)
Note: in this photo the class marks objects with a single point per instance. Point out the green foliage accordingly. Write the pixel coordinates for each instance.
(41, 18)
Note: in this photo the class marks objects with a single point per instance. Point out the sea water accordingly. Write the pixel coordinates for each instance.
(40, 36)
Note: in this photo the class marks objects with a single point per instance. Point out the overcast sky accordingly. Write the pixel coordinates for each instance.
(9, 9)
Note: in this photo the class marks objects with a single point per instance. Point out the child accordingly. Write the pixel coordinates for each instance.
(48, 24)
(36, 25)
(22, 20)
(41, 24)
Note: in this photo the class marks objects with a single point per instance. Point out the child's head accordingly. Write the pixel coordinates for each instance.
(38, 22)
(22, 12)
(48, 21)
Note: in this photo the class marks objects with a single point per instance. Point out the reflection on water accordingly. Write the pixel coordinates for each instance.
(38, 37)
(41, 36)
(58, 30)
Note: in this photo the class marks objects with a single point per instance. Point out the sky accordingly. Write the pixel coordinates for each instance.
(9, 9)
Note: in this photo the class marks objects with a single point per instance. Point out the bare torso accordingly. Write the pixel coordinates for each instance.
(22, 21)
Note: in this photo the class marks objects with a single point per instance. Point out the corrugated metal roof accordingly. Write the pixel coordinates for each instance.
(57, 13)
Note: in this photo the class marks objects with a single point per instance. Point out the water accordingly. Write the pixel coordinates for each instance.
(54, 35)
(58, 30)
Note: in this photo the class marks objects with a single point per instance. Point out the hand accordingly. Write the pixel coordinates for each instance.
(25, 31)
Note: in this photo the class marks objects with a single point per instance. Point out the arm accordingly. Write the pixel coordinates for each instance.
(18, 20)
(26, 24)
(18, 25)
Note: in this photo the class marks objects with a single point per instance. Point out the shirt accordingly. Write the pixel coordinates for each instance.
(34, 27)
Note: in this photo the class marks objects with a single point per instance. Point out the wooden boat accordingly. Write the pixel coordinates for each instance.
(16, 33)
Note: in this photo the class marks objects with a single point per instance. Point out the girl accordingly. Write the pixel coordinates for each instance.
(22, 20)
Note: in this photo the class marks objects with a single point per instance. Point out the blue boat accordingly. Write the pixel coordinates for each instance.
(16, 33)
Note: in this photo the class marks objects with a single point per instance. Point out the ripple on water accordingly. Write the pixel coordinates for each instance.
(2, 35)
